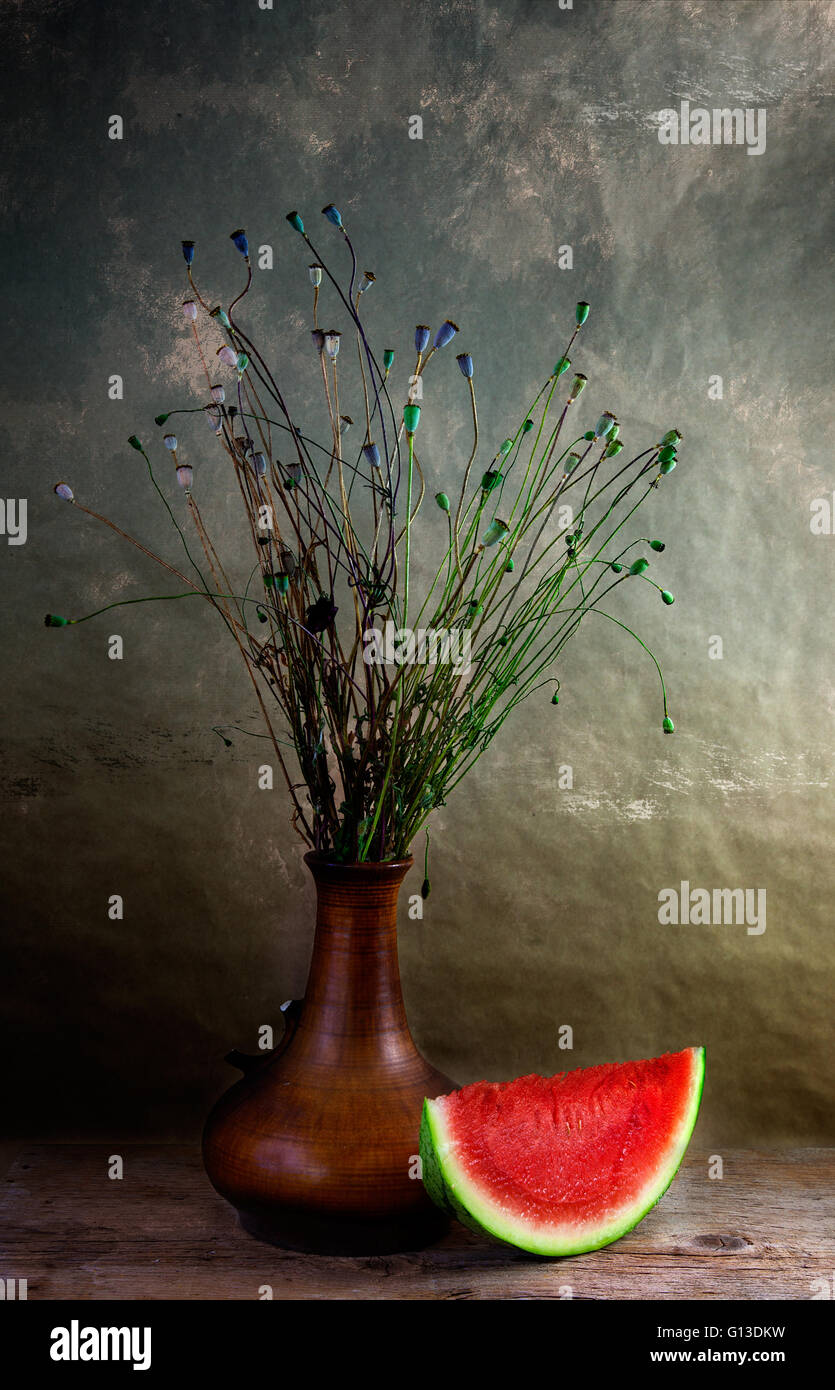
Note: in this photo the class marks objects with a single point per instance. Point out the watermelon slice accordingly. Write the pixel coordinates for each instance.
(562, 1164)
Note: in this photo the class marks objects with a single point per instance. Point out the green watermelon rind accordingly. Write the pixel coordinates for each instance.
(447, 1187)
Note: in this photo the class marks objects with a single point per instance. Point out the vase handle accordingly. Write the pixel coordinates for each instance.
(246, 1062)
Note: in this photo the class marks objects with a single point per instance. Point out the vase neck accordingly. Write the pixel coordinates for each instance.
(353, 1000)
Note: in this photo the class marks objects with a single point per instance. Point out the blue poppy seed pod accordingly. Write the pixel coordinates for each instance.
(505, 448)
(219, 394)
(638, 566)
(368, 278)
(561, 366)
(582, 313)
(185, 475)
(440, 497)
(509, 566)
(668, 726)
(333, 214)
(259, 463)
(188, 251)
(372, 455)
(671, 437)
(161, 419)
(318, 339)
(657, 545)
(555, 698)
(616, 567)
(295, 222)
(613, 449)
(190, 309)
(388, 359)
(411, 417)
(667, 453)
(345, 423)
(64, 491)
(604, 424)
(221, 316)
(527, 427)
(445, 333)
(571, 461)
(465, 362)
(332, 340)
(170, 442)
(315, 273)
(422, 334)
(667, 596)
(577, 385)
(228, 355)
(495, 532)
(491, 480)
(668, 466)
(55, 620)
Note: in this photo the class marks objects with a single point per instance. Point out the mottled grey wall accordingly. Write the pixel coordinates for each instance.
(538, 131)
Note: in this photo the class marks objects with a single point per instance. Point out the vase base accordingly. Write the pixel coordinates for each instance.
(310, 1234)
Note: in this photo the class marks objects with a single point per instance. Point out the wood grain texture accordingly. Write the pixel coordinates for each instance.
(315, 1146)
(764, 1231)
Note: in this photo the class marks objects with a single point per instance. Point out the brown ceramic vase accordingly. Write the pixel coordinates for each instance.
(316, 1146)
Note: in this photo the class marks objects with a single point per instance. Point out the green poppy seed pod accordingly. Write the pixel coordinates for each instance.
(578, 385)
(262, 617)
(505, 448)
(616, 567)
(282, 583)
(388, 359)
(666, 454)
(135, 443)
(668, 726)
(161, 419)
(411, 417)
(425, 889)
(668, 466)
(527, 427)
(571, 461)
(243, 362)
(508, 569)
(671, 437)
(667, 596)
(55, 620)
(638, 566)
(613, 432)
(295, 221)
(561, 366)
(442, 501)
(221, 315)
(491, 480)
(589, 434)
(555, 698)
(569, 540)
(613, 449)
(582, 312)
(657, 545)
(494, 533)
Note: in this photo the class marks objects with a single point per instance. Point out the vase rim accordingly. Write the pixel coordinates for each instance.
(317, 858)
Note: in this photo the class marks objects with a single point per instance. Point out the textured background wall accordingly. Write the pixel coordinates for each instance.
(538, 131)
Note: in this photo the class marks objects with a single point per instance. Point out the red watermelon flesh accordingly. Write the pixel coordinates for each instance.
(563, 1164)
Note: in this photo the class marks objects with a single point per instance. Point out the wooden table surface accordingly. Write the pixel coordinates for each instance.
(765, 1230)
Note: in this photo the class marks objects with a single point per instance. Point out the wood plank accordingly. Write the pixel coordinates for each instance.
(764, 1230)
